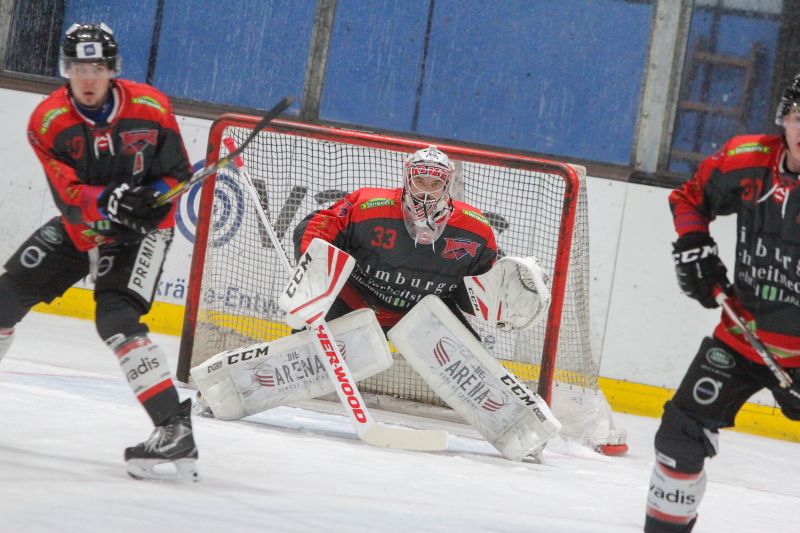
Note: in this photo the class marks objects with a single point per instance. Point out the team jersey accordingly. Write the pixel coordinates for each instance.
(746, 177)
(392, 273)
(139, 144)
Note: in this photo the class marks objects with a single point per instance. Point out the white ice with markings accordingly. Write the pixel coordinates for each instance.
(66, 414)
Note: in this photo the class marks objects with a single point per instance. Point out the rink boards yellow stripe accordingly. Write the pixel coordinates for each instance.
(625, 397)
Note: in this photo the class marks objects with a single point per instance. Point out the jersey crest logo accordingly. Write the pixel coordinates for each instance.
(458, 248)
(134, 143)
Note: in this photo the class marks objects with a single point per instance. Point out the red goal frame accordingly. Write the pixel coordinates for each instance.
(391, 142)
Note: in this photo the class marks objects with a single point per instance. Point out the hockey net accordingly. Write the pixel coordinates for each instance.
(536, 207)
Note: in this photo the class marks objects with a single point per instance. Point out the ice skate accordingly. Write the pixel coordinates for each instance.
(169, 453)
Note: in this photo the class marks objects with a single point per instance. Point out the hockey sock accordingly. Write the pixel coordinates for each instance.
(145, 367)
(6, 338)
(673, 499)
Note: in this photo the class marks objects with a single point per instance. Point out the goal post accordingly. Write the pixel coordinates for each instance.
(535, 206)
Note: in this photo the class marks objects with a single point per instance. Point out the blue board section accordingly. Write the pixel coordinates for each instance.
(239, 52)
(560, 77)
(375, 63)
(132, 24)
(722, 86)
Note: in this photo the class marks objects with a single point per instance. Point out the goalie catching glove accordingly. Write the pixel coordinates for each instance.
(513, 295)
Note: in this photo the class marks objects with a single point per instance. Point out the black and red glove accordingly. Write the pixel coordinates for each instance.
(133, 206)
(699, 268)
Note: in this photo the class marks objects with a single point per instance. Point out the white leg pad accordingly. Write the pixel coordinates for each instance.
(463, 373)
(248, 380)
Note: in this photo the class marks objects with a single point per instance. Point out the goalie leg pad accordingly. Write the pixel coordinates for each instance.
(252, 379)
(439, 347)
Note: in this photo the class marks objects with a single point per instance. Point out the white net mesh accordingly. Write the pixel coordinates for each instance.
(295, 174)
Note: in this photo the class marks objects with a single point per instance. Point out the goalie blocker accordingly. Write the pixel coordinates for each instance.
(463, 373)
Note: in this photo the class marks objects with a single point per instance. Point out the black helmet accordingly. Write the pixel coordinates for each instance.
(790, 98)
(89, 43)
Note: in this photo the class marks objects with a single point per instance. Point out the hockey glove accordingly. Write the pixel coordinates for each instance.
(133, 207)
(699, 268)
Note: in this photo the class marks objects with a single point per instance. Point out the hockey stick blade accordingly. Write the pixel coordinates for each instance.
(784, 379)
(204, 173)
(367, 429)
(418, 440)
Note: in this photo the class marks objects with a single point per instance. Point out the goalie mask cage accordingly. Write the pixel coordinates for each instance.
(536, 207)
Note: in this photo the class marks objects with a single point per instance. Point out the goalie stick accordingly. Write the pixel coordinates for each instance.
(784, 379)
(367, 429)
(204, 173)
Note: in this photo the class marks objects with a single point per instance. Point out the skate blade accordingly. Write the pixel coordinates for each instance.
(180, 470)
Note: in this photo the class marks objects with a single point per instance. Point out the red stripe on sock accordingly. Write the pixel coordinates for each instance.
(155, 389)
(138, 343)
(674, 474)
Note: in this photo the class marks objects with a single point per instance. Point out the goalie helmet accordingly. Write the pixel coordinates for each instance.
(427, 205)
(89, 43)
(789, 100)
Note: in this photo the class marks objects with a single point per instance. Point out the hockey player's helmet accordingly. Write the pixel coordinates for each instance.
(427, 205)
(790, 99)
(89, 43)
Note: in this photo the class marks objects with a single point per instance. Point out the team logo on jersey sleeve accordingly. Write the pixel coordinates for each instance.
(344, 209)
(150, 102)
(476, 216)
(458, 248)
(748, 148)
(377, 202)
(50, 116)
(135, 142)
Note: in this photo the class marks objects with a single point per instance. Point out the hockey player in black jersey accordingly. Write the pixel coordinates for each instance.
(754, 177)
(108, 147)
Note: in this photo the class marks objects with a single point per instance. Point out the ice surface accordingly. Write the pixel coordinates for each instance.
(66, 414)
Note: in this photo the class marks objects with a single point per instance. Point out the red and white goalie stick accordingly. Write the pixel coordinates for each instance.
(367, 429)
